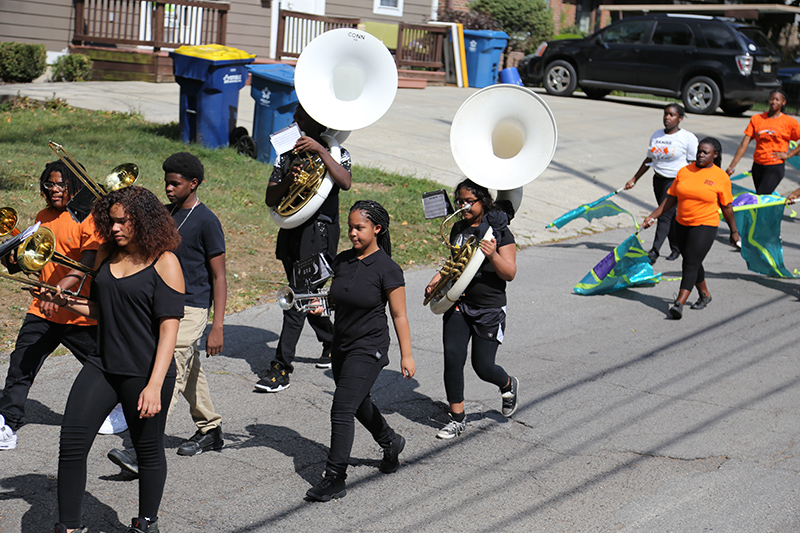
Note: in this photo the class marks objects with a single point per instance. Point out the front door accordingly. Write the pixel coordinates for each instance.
(315, 7)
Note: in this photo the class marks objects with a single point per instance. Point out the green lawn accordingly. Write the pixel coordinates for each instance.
(233, 189)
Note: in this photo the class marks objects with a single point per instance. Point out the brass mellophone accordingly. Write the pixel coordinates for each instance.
(303, 302)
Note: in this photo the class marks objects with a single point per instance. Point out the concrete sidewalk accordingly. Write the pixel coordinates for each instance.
(600, 143)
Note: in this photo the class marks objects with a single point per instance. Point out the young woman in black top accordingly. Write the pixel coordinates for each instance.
(480, 313)
(138, 302)
(365, 278)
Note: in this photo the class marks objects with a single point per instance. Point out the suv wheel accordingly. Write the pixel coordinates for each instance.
(701, 95)
(560, 78)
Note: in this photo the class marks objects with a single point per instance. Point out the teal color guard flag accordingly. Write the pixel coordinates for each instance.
(626, 266)
(602, 207)
(758, 218)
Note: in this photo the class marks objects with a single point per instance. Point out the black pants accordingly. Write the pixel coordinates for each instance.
(292, 327)
(767, 177)
(456, 335)
(36, 340)
(695, 242)
(94, 394)
(354, 375)
(666, 222)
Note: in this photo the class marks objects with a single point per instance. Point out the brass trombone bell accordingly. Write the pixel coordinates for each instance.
(8, 221)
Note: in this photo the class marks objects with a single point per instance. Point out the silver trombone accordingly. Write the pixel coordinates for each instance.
(304, 303)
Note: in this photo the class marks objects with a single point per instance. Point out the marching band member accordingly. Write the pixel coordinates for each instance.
(670, 149)
(46, 325)
(699, 190)
(480, 314)
(319, 234)
(365, 279)
(139, 302)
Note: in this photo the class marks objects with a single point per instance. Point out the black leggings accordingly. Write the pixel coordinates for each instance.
(767, 177)
(456, 335)
(94, 394)
(694, 242)
(666, 222)
(354, 375)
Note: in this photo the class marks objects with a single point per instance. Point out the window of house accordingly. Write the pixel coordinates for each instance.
(388, 7)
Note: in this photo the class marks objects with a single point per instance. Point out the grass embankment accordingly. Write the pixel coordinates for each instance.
(233, 189)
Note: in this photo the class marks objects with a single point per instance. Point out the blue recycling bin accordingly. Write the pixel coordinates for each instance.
(210, 78)
(483, 50)
(272, 87)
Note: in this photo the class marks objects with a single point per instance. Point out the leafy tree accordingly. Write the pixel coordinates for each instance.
(528, 22)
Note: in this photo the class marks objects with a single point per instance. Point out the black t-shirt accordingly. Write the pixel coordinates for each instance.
(358, 292)
(330, 207)
(128, 316)
(201, 239)
(486, 289)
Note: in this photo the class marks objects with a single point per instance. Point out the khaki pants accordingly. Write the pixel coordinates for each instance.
(191, 380)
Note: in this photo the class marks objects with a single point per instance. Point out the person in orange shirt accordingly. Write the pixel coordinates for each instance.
(699, 190)
(772, 131)
(46, 325)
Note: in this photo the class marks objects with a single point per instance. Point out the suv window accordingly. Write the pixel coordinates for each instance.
(626, 32)
(758, 38)
(673, 33)
(719, 37)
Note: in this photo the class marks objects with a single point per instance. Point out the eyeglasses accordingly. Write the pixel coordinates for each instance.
(50, 185)
(461, 201)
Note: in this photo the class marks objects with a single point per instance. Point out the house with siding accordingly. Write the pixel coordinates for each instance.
(136, 25)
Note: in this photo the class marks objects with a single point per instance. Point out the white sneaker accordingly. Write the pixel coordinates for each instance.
(114, 422)
(8, 439)
(451, 430)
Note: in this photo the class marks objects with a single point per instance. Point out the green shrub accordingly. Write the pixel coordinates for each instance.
(470, 20)
(72, 67)
(561, 36)
(22, 63)
(527, 22)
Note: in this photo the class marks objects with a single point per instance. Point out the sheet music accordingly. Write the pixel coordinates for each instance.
(285, 139)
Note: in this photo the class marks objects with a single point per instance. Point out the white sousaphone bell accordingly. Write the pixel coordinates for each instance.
(502, 137)
(345, 79)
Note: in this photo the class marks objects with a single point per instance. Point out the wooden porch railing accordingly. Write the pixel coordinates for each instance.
(420, 45)
(296, 30)
(150, 23)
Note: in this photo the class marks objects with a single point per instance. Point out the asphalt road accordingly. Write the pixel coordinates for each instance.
(629, 421)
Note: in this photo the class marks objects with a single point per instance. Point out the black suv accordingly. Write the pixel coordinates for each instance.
(707, 61)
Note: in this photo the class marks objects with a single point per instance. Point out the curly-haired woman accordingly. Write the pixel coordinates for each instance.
(138, 301)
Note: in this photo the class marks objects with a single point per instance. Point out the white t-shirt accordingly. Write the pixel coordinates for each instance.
(672, 152)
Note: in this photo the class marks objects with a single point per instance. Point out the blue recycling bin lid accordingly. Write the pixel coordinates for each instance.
(276, 73)
(484, 40)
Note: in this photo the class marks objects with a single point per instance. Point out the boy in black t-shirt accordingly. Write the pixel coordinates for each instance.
(319, 234)
(202, 257)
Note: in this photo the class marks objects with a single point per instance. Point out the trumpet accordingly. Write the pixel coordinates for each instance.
(81, 203)
(304, 303)
(35, 252)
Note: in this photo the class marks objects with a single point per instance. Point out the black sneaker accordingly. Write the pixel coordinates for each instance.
(332, 486)
(202, 442)
(676, 311)
(140, 525)
(702, 302)
(653, 256)
(324, 360)
(510, 398)
(673, 256)
(276, 379)
(125, 459)
(391, 455)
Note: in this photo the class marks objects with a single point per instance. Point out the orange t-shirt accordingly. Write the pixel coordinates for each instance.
(700, 192)
(71, 239)
(771, 135)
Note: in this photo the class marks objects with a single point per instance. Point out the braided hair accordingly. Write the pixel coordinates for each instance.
(74, 184)
(375, 213)
(716, 145)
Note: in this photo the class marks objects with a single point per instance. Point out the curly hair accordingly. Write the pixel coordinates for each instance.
(73, 183)
(153, 229)
(375, 213)
(185, 164)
